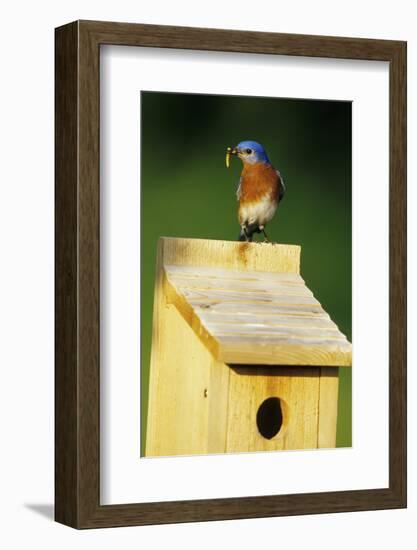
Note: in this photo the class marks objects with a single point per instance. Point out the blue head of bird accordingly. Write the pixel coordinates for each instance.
(250, 152)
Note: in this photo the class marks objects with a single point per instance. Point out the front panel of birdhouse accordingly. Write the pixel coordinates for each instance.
(243, 356)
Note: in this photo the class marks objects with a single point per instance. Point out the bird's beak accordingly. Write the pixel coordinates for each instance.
(229, 152)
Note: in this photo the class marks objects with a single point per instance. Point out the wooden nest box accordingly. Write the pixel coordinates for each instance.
(244, 358)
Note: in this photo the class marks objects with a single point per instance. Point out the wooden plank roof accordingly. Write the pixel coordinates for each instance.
(251, 316)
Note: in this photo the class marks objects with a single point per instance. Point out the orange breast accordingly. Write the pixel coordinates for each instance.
(258, 181)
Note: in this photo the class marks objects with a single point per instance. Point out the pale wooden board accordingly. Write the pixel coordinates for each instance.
(329, 388)
(271, 316)
(184, 387)
(234, 308)
(190, 315)
(231, 348)
(264, 320)
(231, 255)
(278, 338)
(216, 296)
(156, 365)
(179, 374)
(188, 388)
(252, 331)
(218, 396)
(263, 284)
(299, 395)
(289, 353)
(247, 274)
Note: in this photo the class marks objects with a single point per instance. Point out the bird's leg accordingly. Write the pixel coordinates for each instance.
(266, 240)
(248, 237)
(243, 234)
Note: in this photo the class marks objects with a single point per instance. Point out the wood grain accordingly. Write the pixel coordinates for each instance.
(294, 352)
(244, 276)
(67, 440)
(199, 284)
(280, 298)
(180, 381)
(77, 291)
(197, 403)
(298, 392)
(233, 256)
(225, 318)
(328, 398)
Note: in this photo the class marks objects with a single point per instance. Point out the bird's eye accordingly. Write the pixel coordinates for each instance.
(249, 151)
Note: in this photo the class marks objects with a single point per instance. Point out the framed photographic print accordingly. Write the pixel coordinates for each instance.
(230, 274)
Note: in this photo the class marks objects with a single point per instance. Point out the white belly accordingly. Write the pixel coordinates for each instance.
(260, 212)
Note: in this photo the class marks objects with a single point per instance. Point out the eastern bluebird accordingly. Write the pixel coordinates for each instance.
(260, 190)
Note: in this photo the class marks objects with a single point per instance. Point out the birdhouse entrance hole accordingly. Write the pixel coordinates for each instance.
(269, 417)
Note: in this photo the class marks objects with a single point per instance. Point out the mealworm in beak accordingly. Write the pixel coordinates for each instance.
(228, 153)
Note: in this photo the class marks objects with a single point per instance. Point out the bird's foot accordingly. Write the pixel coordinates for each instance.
(267, 241)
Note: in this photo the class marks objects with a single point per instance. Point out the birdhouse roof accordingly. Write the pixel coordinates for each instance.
(248, 303)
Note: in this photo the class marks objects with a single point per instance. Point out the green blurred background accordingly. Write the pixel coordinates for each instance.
(186, 191)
